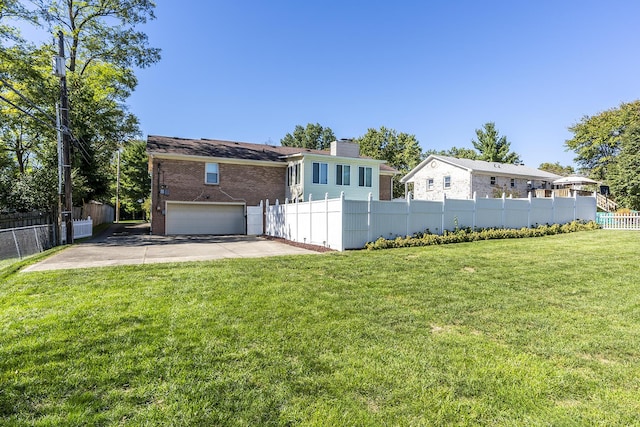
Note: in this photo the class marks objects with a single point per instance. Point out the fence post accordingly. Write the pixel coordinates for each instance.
(444, 210)
(15, 240)
(530, 197)
(38, 245)
(342, 222)
(326, 219)
(475, 209)
(504, 203)
(408, 213)
(310, 219)
(553, 207)
(370, 198)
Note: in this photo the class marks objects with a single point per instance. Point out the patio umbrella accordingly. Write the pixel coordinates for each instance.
(574, 180)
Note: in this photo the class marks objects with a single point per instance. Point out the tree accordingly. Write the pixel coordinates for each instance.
(597, 139)
(400, 150)
(459, 153)
(624, 173)
(557, 168)
(493, 147)
(135, 182)
(313, 136)
(103, 47)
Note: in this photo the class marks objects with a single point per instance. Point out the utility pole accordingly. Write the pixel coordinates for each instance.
(118, 190)
(66, 204)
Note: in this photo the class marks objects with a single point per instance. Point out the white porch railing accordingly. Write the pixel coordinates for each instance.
(81, 228)
(614, 221)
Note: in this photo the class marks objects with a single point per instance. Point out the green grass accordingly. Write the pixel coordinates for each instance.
(542, 331)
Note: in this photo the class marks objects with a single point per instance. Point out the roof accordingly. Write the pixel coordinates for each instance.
(159, 145)
(493, 168)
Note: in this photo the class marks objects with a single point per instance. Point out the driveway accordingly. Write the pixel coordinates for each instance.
(125, 244)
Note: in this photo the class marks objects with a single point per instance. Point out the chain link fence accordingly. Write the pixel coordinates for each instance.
(25, 241)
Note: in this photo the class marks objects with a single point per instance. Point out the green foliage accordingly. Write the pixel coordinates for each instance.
(400, 150)
(469, 235)
(313, 136)
(135, 182)
(103, 47)
(493, 147)
(459, 153)
(624, 174)
(597, 139)
(557, 168)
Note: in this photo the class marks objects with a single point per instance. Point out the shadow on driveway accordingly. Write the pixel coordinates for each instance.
(129, 244)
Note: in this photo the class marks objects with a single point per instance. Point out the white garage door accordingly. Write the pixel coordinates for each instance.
(205, 218)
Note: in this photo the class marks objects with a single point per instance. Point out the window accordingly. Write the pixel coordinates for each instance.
(320, 173)
(364, 176)
(513, 182)
(343, 175)
(211, 175)
(447, 182)
(293, 174)
(493, 180)
(429, 183)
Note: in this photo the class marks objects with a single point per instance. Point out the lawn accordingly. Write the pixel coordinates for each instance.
(540, 331)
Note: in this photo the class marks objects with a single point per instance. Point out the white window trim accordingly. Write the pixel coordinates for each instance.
(364, 177)
(340, 177)
(430, 184)
(320, 167)
(207, 172)
(444, 182)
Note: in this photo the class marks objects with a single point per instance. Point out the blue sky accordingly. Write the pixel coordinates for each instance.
(252, 70)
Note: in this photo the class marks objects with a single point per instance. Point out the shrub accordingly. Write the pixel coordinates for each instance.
(459, 235)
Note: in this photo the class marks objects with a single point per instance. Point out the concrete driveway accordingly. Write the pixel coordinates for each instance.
(125, 244)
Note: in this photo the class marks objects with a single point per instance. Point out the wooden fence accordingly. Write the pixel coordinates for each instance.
(618, 221)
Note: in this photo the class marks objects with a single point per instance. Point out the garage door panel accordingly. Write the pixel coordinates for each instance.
(202, 218)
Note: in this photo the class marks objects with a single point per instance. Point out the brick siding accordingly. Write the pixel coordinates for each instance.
(184, 181)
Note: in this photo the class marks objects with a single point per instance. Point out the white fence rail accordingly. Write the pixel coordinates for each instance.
(349, 224)
(81, 228)
(614, 221)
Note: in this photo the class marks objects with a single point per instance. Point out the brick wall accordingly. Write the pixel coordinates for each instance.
(385, 187)
(184, 181)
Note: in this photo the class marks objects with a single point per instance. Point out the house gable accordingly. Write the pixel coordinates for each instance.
(485, 179)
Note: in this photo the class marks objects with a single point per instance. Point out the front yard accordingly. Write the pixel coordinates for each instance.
(540, 331)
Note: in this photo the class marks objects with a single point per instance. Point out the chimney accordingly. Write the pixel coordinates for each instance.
(345, 148)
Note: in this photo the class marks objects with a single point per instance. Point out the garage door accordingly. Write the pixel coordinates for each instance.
(205, 218)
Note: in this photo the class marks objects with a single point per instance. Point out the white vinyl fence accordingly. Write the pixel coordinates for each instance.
(81, 228)
(349, 224)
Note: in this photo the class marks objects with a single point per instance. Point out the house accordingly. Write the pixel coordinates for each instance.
(203, 186)
(441, 176)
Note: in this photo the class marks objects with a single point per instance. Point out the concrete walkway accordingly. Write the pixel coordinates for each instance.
(125, 244)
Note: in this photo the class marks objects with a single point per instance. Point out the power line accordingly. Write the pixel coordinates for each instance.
(28, 113)
(27, 100)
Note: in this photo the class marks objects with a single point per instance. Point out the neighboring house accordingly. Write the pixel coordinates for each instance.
(440, 176)
(202, 186)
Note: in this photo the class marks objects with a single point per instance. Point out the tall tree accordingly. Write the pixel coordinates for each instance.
(493, 147)
(401, 151)
(557, 168)
(135, 182)
(624, 173)
(460, 153)
(103, 46)
(597, 139)
(313, 136)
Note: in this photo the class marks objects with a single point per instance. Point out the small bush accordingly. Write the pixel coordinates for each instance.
(459, 235)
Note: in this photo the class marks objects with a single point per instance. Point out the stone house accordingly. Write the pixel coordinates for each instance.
(440, 176)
